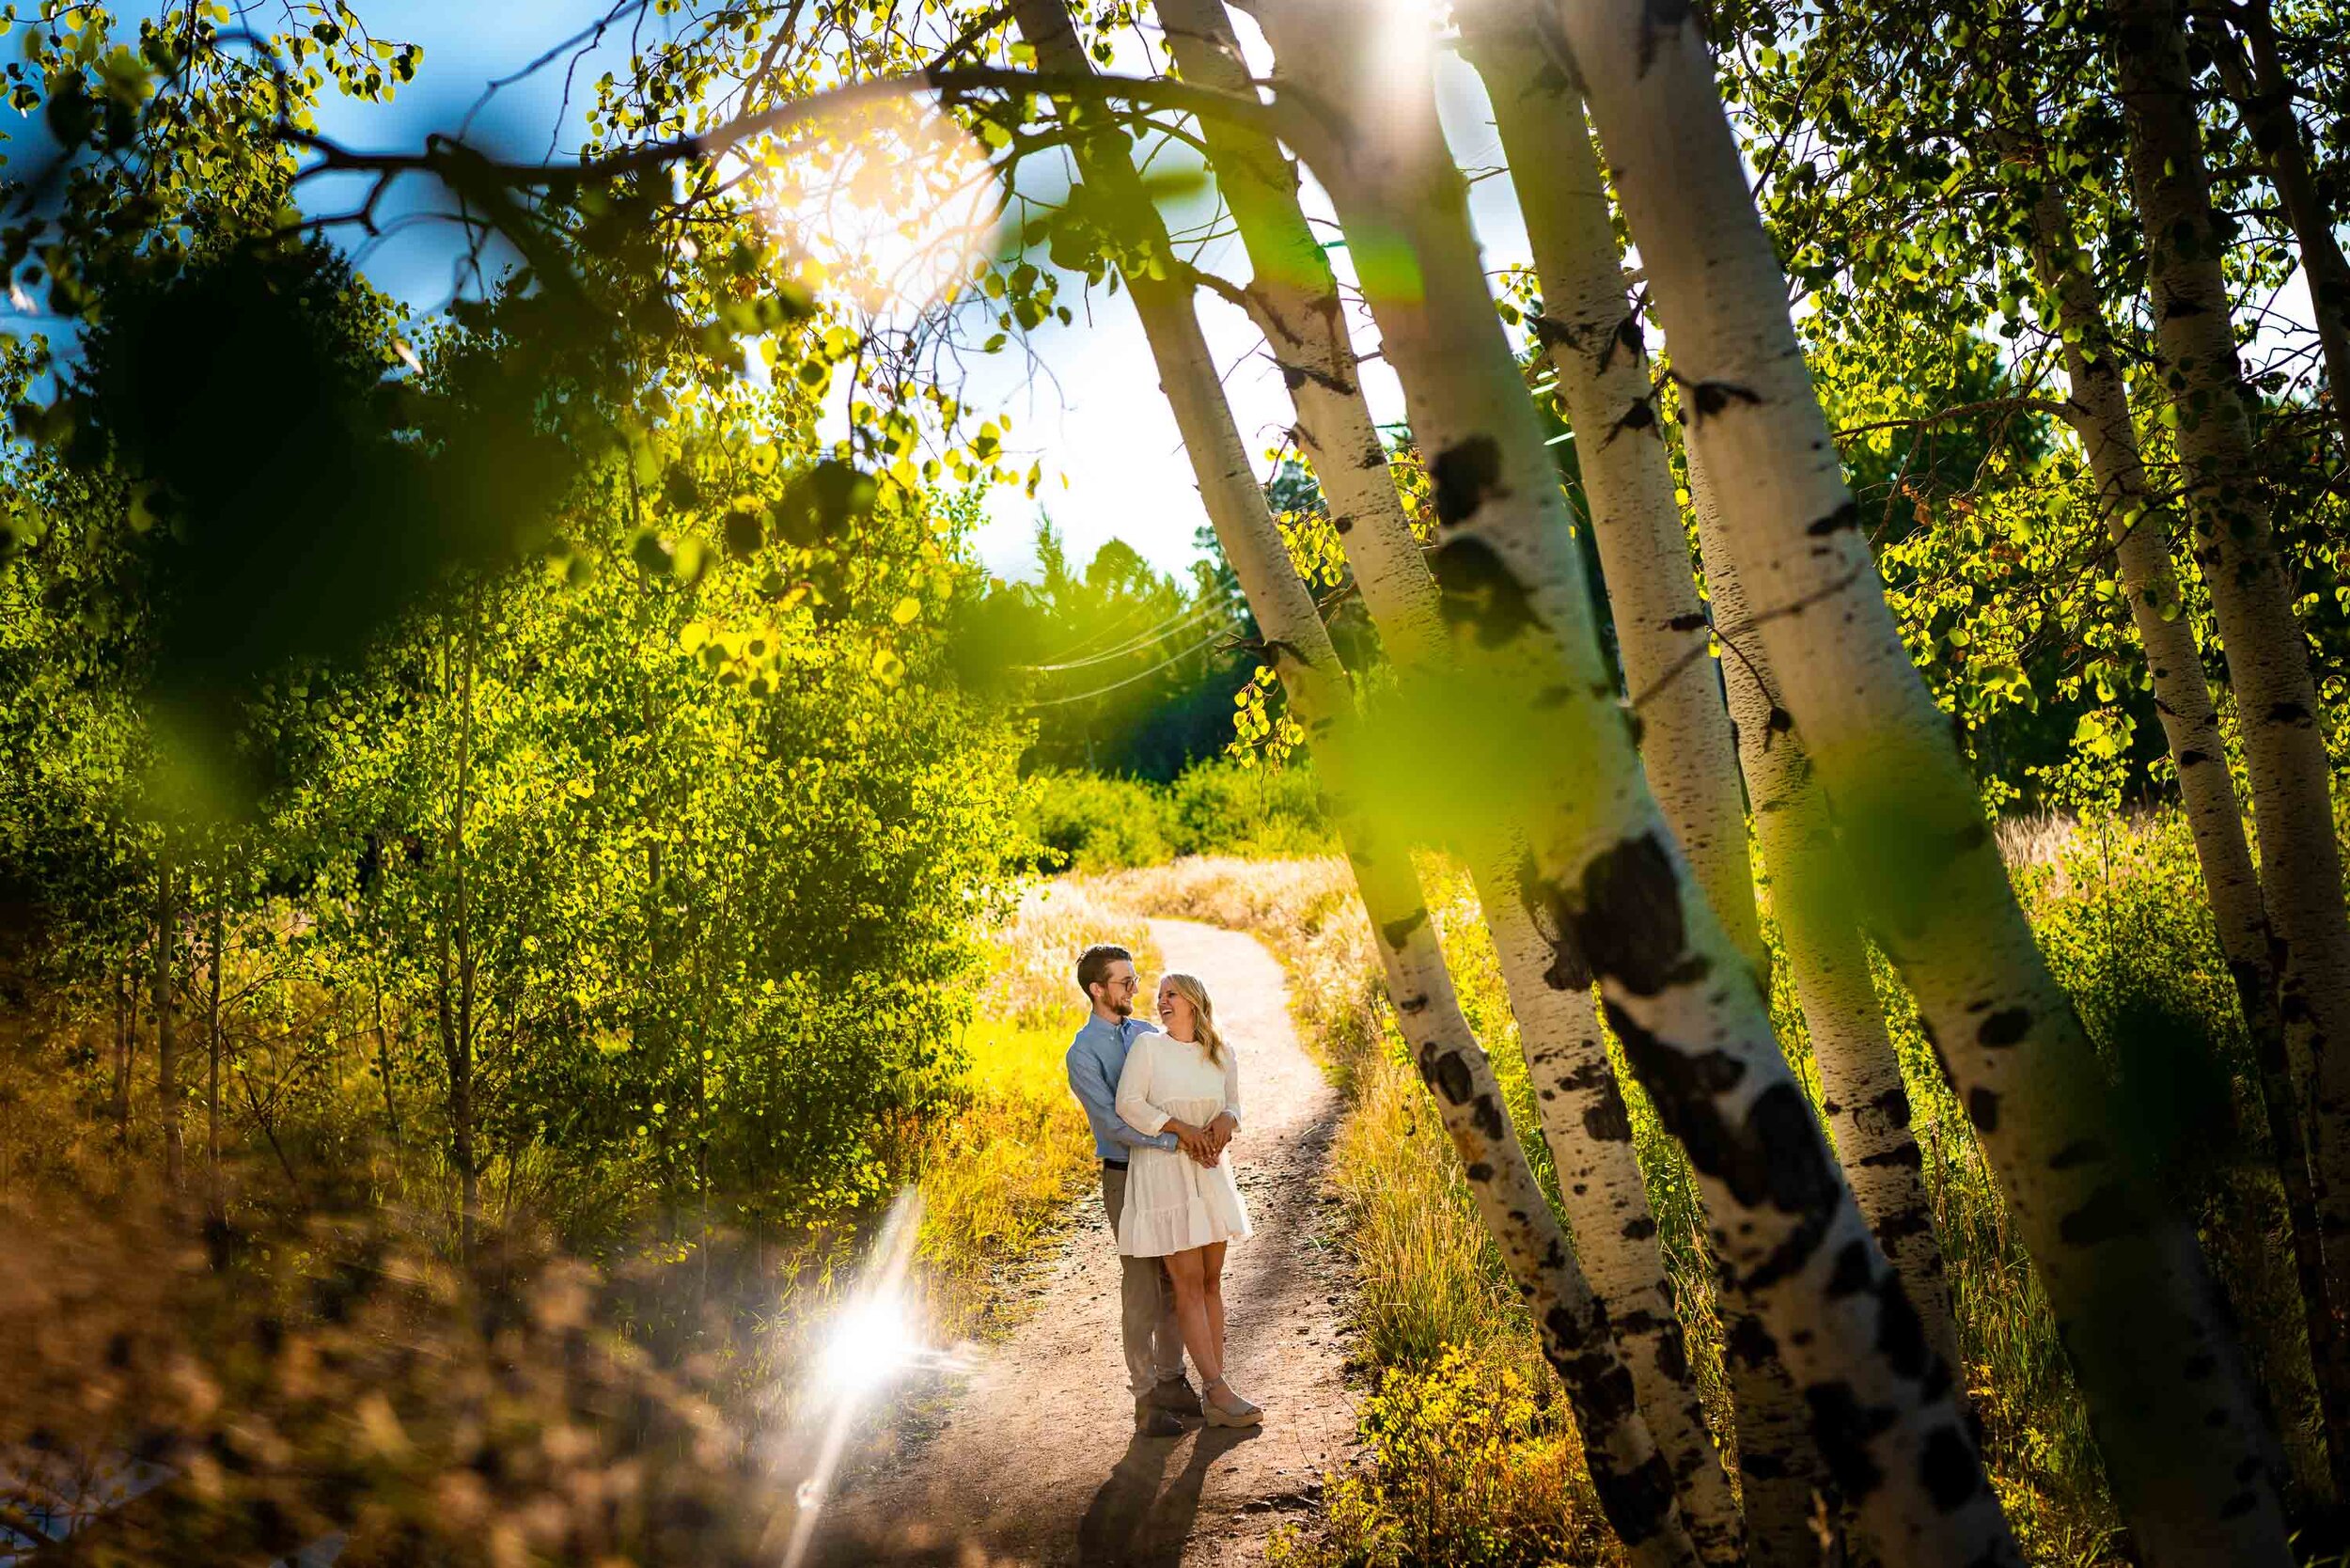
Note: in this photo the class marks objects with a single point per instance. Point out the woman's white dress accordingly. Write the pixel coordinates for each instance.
(1173, 1202)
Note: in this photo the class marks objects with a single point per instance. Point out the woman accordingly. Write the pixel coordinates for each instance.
(1178, 1208)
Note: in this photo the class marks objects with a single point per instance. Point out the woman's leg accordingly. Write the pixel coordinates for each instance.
(1211, 1270)
(1225, 1406)
(1188, 1270)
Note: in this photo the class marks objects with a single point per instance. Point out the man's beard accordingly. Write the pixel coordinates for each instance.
(1125, 1009)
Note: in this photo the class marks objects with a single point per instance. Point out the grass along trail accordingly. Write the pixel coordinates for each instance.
(1036, 1461)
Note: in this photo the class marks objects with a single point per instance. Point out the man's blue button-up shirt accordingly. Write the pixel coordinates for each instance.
(1095, 1060)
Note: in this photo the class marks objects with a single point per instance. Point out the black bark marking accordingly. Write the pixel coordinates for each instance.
(1398, 932)
(1626, 335)
(1853, 1273)
(1749, 1343)
(1658, 17)
(1982, 1109)
(1295, 375)
(1893, 1105)
(1952, 1473)
(1630, 926)
(2288, 713)
(1773, 1156)
(1783, 1158)
(2004, 1027)
(1413, 1005)
(1481, 1171)
(1488, 1119)
(2081, 1151)
(1450, 1076)
(1478, 590)
(1845, 516)
(2190, 758)
(1689, 622)
(1636, 1500)
(1904, 1154)
(1569, 969)
(2106, 1216)
(1640, 1228)
(1709, 397)
(1641, 415)
(1902, 1338)
(1672, 1353)
(1600, 1389)
(1844, 1428)
(1463, 476)
(1606, 1119)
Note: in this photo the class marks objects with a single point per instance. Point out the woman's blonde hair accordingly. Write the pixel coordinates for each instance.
(1204, 1013)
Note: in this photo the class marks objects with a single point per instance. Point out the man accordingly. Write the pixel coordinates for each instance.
(1153, 1343)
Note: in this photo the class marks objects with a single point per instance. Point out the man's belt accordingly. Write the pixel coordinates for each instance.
(1113, 1164)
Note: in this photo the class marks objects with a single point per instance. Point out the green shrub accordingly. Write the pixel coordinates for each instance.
(1223, 807)
(1088, 822)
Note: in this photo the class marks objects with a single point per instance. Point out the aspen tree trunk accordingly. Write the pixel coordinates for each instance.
(1536, 725)
(2164, 1386)
(1294, 298)
(1631, 1476)
(1594, 345)
(2265, 93)
(1860, 1073)
(2140, 524)
(2251, 589)
(167, 1020)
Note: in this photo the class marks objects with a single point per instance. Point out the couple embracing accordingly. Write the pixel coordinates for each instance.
(1164, 1102)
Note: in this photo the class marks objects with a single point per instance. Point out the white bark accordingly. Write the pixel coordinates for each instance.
(1860, 1073)
(1537, 723)
(1596, 350)
(1584, 1122)
(2251, 593)
(1593, 343)
(2164, 1386)
(2140, 524)
(1632, 1477)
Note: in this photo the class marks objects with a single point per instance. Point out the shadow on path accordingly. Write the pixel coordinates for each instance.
(1131, 1523)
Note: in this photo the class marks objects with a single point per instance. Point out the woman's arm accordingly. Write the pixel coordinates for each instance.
(1231, 1083)
(1134, 1091)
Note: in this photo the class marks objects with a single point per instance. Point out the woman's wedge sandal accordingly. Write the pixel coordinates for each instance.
(1223, 1408)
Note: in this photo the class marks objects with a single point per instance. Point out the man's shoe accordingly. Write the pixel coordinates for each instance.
(1175, 1393)
(1151, 1420)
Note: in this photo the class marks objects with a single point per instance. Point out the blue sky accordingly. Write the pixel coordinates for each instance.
(1091, 412)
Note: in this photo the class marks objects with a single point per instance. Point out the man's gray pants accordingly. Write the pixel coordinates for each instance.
(1145, 1316)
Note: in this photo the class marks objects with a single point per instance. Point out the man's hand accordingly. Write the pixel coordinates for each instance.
(1219, 1133)
(1195, 1141)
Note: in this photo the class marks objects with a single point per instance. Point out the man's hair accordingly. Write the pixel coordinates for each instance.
(1093, 966)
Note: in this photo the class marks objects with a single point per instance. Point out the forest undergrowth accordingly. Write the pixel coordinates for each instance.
(1471, 1458)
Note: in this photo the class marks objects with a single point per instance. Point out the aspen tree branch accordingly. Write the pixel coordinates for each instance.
(2065, 411)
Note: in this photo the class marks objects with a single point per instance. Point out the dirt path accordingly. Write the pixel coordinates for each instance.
(1036, 1461)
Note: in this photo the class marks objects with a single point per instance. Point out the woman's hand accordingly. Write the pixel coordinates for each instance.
(1195, 1141)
